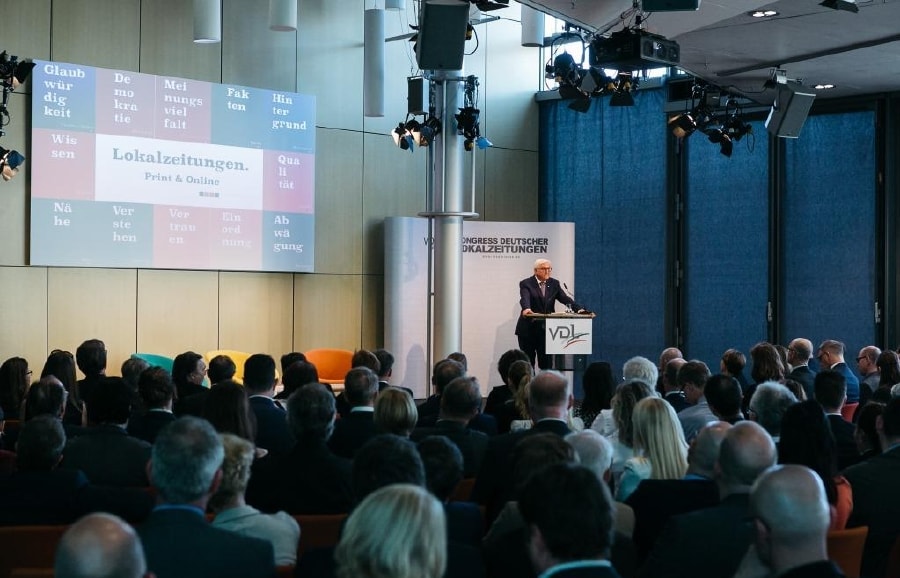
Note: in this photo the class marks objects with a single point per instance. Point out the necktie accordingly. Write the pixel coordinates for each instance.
(542, 287)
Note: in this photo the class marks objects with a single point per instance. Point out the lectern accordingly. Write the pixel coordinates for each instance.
(568, 339)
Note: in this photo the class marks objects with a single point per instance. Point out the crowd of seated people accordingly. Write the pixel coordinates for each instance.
(672, 471)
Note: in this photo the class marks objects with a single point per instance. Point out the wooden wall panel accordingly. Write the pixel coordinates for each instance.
(393, 185)
(373, 312)
(339, 203)
(177, 311)
(105, 33)
(92, 303)
(23, 315)
(253, 55)
(256, 312)
(330, 60)
(511, 185)
(25, 28)
(167, 43)
(14, 197)
(327, 311)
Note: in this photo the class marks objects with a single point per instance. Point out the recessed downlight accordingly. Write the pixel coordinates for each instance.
(763, 13)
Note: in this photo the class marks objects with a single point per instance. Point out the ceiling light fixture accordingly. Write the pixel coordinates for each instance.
(823, 86)
(763, 13)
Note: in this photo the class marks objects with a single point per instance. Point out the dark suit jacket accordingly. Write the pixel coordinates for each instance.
(655, 501)
(677, 400)
(179, 543)
(805, 377)
(530, 298)
(108, 456)
(430, 408)
(707, 542)
(874, 483)
(63, 496)
(465, 523)
(472, 444)
(352, 432)
(190, 400)
(272, 432)
(146, 427)
(494, 483)
(843, 430)
(498, 395)
(308, 480)
(483, 423)
(852, 382)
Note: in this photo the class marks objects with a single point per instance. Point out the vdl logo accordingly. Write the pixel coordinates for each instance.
(567, 334)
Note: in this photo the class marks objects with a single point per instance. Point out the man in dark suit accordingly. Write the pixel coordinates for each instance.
(874, 483)
(186, 470)
(539, 294)
(100, 545)
(867, 365)
(459, 404)
(157, 391)
(500, 394)
(799, 354)
(105, 452)
(444, 371)
(91, 359)
(548, 403)
(309, 479)
(688, 546)
(831, 395)
(831, 356)
(569, 514)
(671, 391)
(357, 427)
(791, 517)
(272, 431)
(654, 502)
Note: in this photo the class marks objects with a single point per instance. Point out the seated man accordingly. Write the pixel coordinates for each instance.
(186, 470)
(272, 432)
(100, 546)
(358, 426)
(157, 391)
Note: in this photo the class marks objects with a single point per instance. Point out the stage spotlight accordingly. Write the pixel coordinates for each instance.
(735, 128)
(624, 84)
(467, 125)
(683, 125)
(483, 143)
(402, 137)
(565, 70)
(12, 71)
(425, 133)
(721, 138)
(9, 163)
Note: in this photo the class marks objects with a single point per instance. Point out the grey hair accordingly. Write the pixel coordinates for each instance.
(186, 455)
(641, 369)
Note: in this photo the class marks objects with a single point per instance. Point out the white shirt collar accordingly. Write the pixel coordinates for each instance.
(576, 564)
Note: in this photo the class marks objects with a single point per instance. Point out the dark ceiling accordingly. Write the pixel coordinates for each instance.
(859, 53)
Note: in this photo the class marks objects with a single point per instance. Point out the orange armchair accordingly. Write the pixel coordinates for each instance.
(845, 548)
(331, 364)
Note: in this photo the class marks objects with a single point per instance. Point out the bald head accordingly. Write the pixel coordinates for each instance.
(704, 451)
(800, 351)
(670, 376)
(100, 546)
(548, 395)
(747, 451)
(667, 355)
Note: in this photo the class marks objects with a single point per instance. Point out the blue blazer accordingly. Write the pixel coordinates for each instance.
(530, 298)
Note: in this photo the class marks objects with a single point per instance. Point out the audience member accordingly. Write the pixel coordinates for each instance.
(385, 367)
(296, 376)
(227, 408)
(289, 359)
(661, 452)
(61, 365)
(806, 440)
(460, 357)
(221, 368)
(443, 463)
(233, 513)
(188, 373)
(874, 483)
(185, 470)
(91, 360)
(791, 523)
(767, 407)
(46, 396)
(667, 355)
(867, 365)
(641, 369)
(868, 442)
(157, 392)
(502, 393)
(888, 369)
(800, 351)
(831, 356)
(272, 432)
(356, 428)
(384, 460)
(15, 377)
(445, 371)
(105, 452)
(621, 433)
(570, 520)
(655, 501)
(100, 546)
(767, 366)
(515, 409)
(395, 412)
(723, 394)
(692, 380)
(309, 479)
(459, 405)
(796, 388)
(132, 368)
(732, 365)
(599, 385)
(671, 391)
(687, 546)
(397, 531)
(831, 395)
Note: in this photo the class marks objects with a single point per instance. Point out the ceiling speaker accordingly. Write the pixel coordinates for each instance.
(442, 34)
(789, 111)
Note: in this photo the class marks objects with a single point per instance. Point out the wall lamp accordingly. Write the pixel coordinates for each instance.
(9, 163)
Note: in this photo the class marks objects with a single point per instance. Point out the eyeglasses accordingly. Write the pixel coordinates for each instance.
(858, 359)
(545, 268)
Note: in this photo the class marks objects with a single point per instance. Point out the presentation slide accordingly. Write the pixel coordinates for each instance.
(135, 170)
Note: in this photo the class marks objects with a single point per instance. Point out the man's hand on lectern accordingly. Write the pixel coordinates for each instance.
(527, 312)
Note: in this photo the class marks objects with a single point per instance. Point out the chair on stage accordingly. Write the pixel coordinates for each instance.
(31, 547)
(156, 360)
(845, 548)
(848, 410)
(332, 365)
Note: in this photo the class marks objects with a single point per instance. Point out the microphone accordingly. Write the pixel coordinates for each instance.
(572, 297)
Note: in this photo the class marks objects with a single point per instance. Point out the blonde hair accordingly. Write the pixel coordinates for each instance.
(239, 454)
(396, 532)
(395, 412)
(658, 433)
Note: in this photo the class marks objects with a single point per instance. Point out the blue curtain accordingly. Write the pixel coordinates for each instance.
(828, 217)
(605, 170)
(726, 246)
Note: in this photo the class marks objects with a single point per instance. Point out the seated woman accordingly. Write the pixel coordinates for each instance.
(232, 512)
(395, 412)
(396, 532)
(599, 385)
(620, 431)
(15, 377)
(806, 440)
(661, 452)
(226, 407)
(515, 408)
